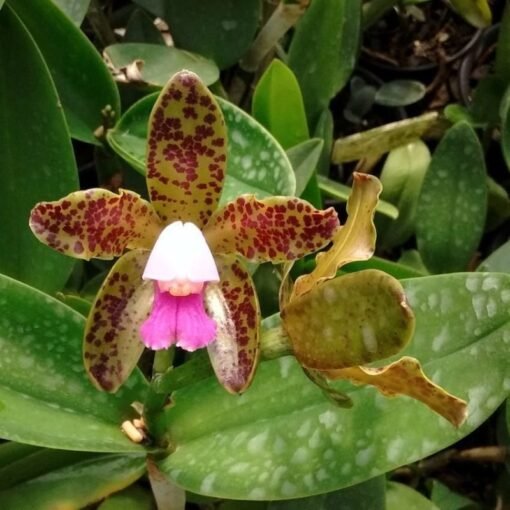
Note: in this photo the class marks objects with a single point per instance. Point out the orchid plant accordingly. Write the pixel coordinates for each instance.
(183, 281)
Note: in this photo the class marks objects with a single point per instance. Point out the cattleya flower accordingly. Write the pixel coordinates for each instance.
(183, 282)
(339, 325)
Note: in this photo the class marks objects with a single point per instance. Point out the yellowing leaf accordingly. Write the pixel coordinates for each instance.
(405, 377)
(476, 12)
(354, 241)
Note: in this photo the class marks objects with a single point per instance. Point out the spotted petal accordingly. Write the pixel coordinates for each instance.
(96, 223)
(351, 320)
(187, 149)
(276, 229)
(112, 345)
(405, 377)
(233, 304)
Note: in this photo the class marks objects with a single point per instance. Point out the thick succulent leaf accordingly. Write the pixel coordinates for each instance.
(158, 63)
(75, 10)
(476, 12)
(275, 229)
(278, 105)
(354, 241)
(403, 497)
(167, 494)
(233, 304)
(112, 344)
(187, 151)
(401, 178)
(256, 163)
(498, 260)
(77, 485)
(450, 216)
(132, 498)
(96, 223)
(501, 66)
(283, 424)
(85, 86)
(400, 93)
(140, 28)
(405, 377)
(36, 156)
(505, 121)
(323, 60)
(382, 139)
(352, 320)
(304, 158)
(46, 397)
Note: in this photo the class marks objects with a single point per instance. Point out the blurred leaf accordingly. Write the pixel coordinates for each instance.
(360, 103)
(383, 139)
(168, 496)
(36, 157)
(82, 306)
(402, 497)
(505, 125)
(45, 396)
(221, 30)
(304, 158)
(498, 260)
(278, 105)
(323, 59)
(402, 177)
(412, 259)
(77, 485)
(324, 130)
(452, 206)
(141, 29)
(398, 270)
(351, 320)
(284, 424)
(341, 192)
(400, 93)
(446, 499)
(476, 12)
(498, 207)
(502, 64)
(354, 241)
(84, 84)
(456, 113)
(75, 10)
(160, 62)
(132, 498)
(485, 108)
(256, 163)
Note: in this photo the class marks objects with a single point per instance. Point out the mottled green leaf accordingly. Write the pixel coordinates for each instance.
(221, 30)
(498, 260)
(446, 499)
(304, 158)
(400, 93)
(256, 163)
(450, 216)
(380, 140)
(402, 177)
(74, 9)
(157, 63)
(351, 320)
(402, 497)
(35, 156)
(83, 81)
(261, 445)
(45, 396)
(323, 58)
(278, 105)
(77, 485)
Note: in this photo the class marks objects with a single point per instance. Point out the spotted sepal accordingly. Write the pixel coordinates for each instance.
(351, 320)
(187, 151)
(96, 223)
(112, 345)
(233, 305)
(354, 241)
(405, 377)
(276, 229)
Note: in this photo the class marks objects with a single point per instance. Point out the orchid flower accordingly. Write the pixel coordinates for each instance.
(184, 281)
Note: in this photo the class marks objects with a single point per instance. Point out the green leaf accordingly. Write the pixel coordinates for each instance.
(397, 270)
(84, 84)
(446, 499)
(278, 105)
(402, 497)
(160, 63)
(255, 164)
(476, 12)
(77, 485)
(323, 59)
(304, 158)
(498, 206)
(324, 130)
(342, 192)
(383, 139)
(75, 10)
(498, 260)
(283, 424)
(132, 498)
(402, 177)
(36, 157)
(487, 97)
(221, 30)
(450, 216)
(45, 396)
(141, 29)
(502, 64)
(505, 125)
(400, 93)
